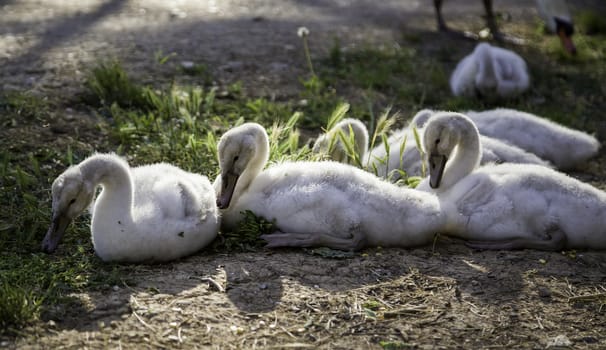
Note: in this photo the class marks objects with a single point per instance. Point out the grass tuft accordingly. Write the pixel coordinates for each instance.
(18, 307)
(246, 236)
(109, 84)
(23, 105)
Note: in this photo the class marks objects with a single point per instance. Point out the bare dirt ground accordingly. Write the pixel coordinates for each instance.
(446, 296)
(451, 297)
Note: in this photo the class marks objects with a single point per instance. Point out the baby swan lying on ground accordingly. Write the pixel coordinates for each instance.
(318, 203)
(490, 71)
(155, 212)
(494, 151)
(507, 206)
(566, 148)
(536, 135)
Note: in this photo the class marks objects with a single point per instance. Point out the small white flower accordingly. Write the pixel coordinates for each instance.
(302, 32)
(187, 64)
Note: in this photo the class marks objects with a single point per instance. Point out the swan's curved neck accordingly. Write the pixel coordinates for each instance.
(254, 167)
(114, 176)
(466, 157)
(486, 72)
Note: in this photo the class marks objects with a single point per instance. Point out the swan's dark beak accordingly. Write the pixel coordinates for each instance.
(228, 185)
(437, 163)
(565, 30)
(55, 232)
(567, 42)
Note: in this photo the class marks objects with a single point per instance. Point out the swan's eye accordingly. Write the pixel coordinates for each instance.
(72, 201)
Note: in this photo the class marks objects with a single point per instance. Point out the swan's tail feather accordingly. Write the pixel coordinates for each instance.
(557, 241)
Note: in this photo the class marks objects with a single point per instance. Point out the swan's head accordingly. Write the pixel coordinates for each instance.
(486, 77)
(421, 118)
(557, 17)
(71, 194)
(332, 144)
(242, 149)
(565, 29)
(443, 133)
(329, 145)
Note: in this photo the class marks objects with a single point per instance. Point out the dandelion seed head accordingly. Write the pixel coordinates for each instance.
(302, 32)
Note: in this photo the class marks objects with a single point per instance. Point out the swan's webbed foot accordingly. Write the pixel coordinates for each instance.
(282, 239)
(556, 241)
(279, 239)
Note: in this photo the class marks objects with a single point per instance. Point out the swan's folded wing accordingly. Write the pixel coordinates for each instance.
(475, 197)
